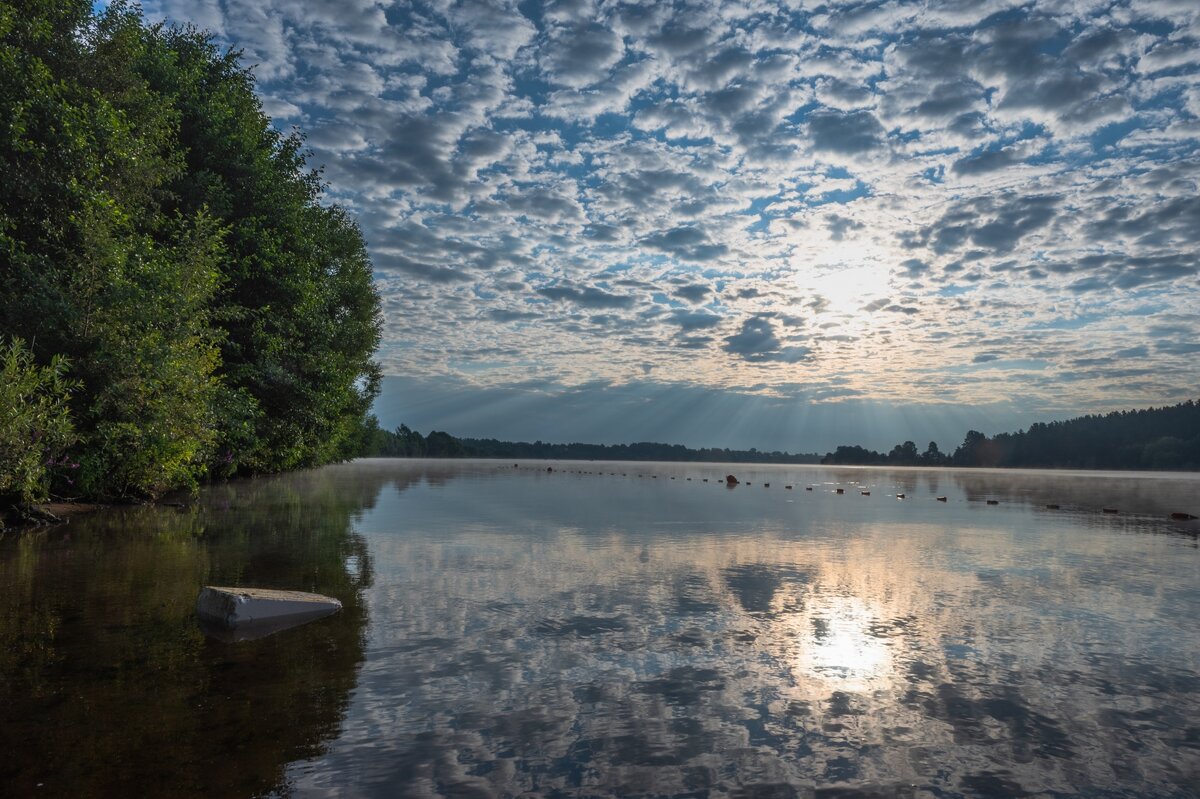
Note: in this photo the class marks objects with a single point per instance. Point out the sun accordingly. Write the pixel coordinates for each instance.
(851, 288)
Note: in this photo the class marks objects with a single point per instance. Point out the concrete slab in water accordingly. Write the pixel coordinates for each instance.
(237, 608)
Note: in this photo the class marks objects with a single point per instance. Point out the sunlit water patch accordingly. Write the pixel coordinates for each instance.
(524, 632)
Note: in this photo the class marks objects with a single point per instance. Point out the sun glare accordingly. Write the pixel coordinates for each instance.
(838, 647)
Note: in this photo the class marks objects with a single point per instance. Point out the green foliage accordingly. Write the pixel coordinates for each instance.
(35, 425)
(156, 230)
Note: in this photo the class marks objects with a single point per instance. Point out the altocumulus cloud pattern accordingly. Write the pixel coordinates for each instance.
(944, 201)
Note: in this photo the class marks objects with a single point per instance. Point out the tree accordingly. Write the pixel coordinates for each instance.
(157, 232)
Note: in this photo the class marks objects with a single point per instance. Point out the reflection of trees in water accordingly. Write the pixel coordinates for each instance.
(107, 686)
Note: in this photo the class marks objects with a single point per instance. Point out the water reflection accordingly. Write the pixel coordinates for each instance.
(570, 634)
(537, 634)
(107, 684)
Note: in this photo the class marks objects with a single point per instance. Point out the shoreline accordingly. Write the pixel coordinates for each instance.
(45, 514)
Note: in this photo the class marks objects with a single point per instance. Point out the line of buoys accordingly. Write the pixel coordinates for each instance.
(731, 481)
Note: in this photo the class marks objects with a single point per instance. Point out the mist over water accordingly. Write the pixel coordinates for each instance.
(625, 631)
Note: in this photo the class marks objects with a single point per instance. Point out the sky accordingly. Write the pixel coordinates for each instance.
(785, 225)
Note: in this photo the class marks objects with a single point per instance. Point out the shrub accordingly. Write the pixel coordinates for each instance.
(35, 425)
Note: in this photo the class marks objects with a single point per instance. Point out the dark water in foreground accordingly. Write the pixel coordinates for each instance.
(512, 632)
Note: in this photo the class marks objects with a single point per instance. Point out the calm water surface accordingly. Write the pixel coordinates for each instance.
(517, 632)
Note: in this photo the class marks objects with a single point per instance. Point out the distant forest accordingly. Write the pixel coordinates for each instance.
(406, 443)
(1155, 438)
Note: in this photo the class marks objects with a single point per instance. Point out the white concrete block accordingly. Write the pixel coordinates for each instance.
(236, 607)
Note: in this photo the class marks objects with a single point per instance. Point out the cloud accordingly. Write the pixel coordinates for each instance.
(688, 243)
(587, 297)
(845, 133)
(570, 192)
(757, 342)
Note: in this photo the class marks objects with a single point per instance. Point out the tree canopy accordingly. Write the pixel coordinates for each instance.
(159, 235)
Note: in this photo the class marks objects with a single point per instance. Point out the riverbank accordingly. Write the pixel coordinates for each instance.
(44, 514)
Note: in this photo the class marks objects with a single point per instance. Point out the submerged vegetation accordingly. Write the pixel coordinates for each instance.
(177, 302)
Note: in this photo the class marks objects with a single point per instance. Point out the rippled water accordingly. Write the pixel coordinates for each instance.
(618, 629)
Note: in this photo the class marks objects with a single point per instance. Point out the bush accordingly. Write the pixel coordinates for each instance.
(35, 425)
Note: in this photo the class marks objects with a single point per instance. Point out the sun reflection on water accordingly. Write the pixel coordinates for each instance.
(837, 646)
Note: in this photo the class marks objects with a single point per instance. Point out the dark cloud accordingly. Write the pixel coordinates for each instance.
(757, 342)
(692, 292)
(588, 296)
(695, 320)
(689, 243)
(846, 133)
(988, 161)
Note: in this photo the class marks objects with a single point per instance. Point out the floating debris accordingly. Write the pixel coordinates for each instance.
(808, 488)
(900, 496)
(789, 488)
(706, 479)
(840, 490)
(866, 493)
(1183, 517)
(1052, 507)
(940, 499)
(993, 502)
(766, 485)
(1109, 510)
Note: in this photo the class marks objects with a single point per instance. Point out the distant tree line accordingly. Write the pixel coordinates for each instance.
(1153, 438)
(406, 443)
(177, 302)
